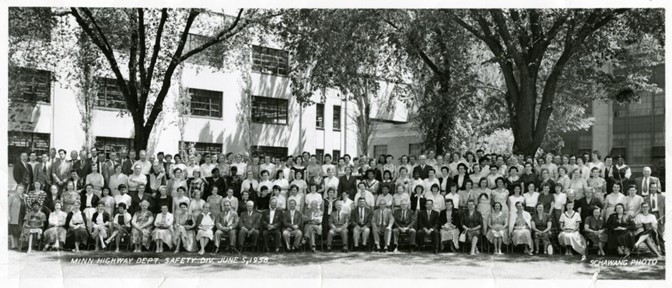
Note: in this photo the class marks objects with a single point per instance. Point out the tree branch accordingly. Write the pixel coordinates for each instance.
(133, 63)
(219, 37)
(155, 53)
(143, 50)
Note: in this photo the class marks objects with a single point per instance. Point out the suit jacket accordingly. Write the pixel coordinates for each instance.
(86, 167)
(407, 222)
(94, 201)
(339, 222)
(424, 172)
(276, 221)
(127, 166)
(298, 219)
(23, 174)
(430, 223)
(346, 185)
(230, 220)
(464, 182)
(638, 183)
(355, 217)
(454, 218)
(250, 221)
(42, 174)
(385, 216)
(661, 206)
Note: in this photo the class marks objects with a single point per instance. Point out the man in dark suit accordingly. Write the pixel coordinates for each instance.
(249, 223)
(271, 223)
(347, 183)
(428, 225)
(215, 181)
(226, 224)
(360, 220)
(422, 168)
(85, 166)
(338, 224)
(656, 201)
(293, 221)
(42, 172)
(643, 183)
(126, 162)
(23, 172)
(404, 223)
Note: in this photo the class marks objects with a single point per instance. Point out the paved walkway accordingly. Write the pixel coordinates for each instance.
(331, 265)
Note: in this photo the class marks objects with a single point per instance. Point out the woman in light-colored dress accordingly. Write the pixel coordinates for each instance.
(501, 195)
(578, 183)
(281, 181)
(646, 230)
(614, 198)
(108, 201)
(78, 225)
(598, 184)
(180, 198)
(519, 228)
(56, 232)
(70, 197)
(142, 227)
(498, 227)
(531, 198)
(196, 202)
(596, 230)
(515, 198)
(569, 237)
(215, 200)
(95, 179)
(633, 202)
(117, 179)
(205, 224)
(299, 182)
(163, 229)
(484, 207)
(184, 229)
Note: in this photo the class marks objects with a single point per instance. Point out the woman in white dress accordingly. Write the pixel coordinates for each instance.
(569, 236)
(100, 223)
(163, 229)
(282, 182)
(56, 232)
(614, 198)
(498, 227)
(531, 198)
(96, 179)
(204, 224)
(633, 202)
(519, 228)
(578, 183)
(117, 179)
(184, 229)
(501, 195)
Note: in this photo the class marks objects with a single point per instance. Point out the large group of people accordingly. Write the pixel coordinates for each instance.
(562, 203)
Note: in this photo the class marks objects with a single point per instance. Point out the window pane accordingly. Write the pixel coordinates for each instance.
(335, 155)
(337, 117)
(203, 147)
(110, 144)
(379, 150)
(274, 152)
(20, 142)
(319, 121)
(269, 60)
(31, 85)
(267, 110)
(643, 107)
(205, 102)
(639, 148)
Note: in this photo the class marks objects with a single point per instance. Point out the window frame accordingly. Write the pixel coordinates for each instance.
(103, 96)
(203, 147)
(278, 61)
(273, 151)
(337, 123)
(261, 105)
(211, 96)
(319, 116)
(31, 141)
(26, 72)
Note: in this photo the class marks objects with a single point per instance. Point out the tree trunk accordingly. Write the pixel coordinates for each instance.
(141, 136)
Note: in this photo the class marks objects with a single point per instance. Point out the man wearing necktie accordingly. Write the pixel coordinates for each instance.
(226, 223)
(271, 223)
(382, 225)
(404, 223)
(643, 183)
(361, 221)
(338, 224)
(293, 222)
(656, 201)
(23, 172)
(250, 222)
(428, 225)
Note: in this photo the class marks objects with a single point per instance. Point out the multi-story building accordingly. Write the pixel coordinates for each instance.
(635, 130)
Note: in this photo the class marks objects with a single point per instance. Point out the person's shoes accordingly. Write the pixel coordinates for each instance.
(46, 247)
(312, 249)
(117, 250)
(328, 249)
(472, 253)
(277, 250)
(216, 250)
(436, 251)
(396, 250)
(385, 249)
(345, 250)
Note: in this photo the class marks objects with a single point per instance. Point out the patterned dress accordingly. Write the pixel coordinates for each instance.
(144, 235)
(69, 199)
(185, 234)
(56, 231)
(495, 220)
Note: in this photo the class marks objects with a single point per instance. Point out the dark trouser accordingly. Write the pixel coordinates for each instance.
(244, 233)
(434, 236)
(411, 233)
(266, 234)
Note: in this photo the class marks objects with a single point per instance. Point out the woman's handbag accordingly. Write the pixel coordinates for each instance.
(463, 236)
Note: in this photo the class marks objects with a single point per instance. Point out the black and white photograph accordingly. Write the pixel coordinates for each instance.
(220, 141)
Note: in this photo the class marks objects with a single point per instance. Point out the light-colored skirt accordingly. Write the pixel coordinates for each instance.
(54, 234)
(143, 237)
(204, 233)
(187, 237)
(165, 235)
(521, 236)
(573, 239)
(492, 234)
(99, 230)
(451, 235)
(89, 213)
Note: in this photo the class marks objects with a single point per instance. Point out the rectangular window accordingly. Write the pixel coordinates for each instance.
(29, 85)
(209, 57)
(659, 139)
(270, 61)
(335, 155)
(659, 108)
(643, 108)
(267, 110)
(639, 146)
(319, 116)
(110, 144)
(379, 150)
(585, 141)
(337, 118)
(619, 140)
(202, 147)
(274, 152)
(109, 94)
(620, 110)
(319, 154)
(19, 142)
(205, 103)
(415, 149)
